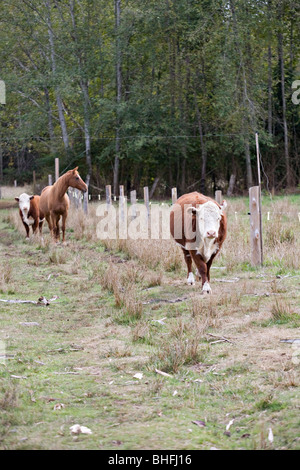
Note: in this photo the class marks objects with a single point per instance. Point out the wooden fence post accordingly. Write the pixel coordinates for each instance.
(56, 169)
(50, 180)
(70, 195)
(146, 200)
(108, 195)
(122, 214)
(133, 203)
(74, 197)
(85, 202)
(174, 195)
(34, 182)
(80, 198)
(255, 226)
(218, 197)
(86, 196)
(122, 202)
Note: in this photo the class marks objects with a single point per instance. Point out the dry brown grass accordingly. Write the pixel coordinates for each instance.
(6, 278)
(9, 397)
(281, 238)
(10, 192)
(181, 347)
(122, 283)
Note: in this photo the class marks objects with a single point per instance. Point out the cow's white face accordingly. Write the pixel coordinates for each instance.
(24, 203)
(208, 219)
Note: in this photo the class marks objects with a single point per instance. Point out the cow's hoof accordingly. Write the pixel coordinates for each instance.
(206, 289)
(191, 279)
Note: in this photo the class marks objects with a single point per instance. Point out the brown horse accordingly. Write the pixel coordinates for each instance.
(54, 202)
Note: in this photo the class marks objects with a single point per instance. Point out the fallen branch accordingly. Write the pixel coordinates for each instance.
(219, 341)
(41, 301)
(235, 279)
(221, 338)
(296, 341)
(265, 294)
(66, 373)
(280, 278)
(163, 373)
(172, 301)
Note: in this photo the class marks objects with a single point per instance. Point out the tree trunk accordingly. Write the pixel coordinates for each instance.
(1, 163)
(270, 117)
(53, 64)
(50, 121)
(231, 184)
(246, 100)
(248, 162)
(85, 93)
(203, 147)
(284, 119)
(86, 105)
(119, 93)
(153, 188)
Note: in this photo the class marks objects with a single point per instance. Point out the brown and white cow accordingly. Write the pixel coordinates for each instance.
(198, 225)
(30, 213)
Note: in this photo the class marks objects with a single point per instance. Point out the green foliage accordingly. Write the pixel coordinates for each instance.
(187, 68)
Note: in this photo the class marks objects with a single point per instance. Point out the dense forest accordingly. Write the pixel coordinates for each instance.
(151, 92)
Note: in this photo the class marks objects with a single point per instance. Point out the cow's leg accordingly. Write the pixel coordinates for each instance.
(189, 262)
(35, 226)
(202, 270)
(208, 264)
(27, 230)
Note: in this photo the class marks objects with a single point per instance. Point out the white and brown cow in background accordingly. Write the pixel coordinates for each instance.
(198, 224)
(30, 213)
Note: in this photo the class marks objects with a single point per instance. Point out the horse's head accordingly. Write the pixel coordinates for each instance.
(76, 182)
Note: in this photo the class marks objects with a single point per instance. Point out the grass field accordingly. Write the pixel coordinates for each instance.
(124, 314)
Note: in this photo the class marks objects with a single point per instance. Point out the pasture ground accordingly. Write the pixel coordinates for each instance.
(124, 309)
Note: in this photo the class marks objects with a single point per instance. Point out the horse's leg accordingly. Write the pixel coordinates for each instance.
(41, 227)
(63, 225)
(41, 222)
(41, 230)
(55, 226)
(49, 222)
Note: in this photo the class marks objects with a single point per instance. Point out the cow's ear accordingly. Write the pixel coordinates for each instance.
(31, 197)
(223, 205)
(17, 199)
